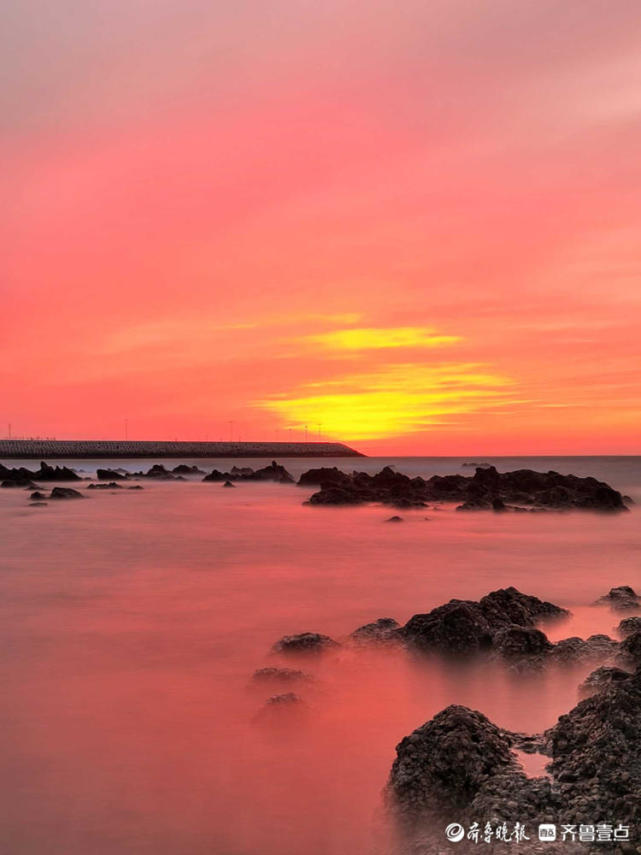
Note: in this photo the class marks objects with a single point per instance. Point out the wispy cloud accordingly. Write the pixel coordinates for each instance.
(380, 338)
(397, 400)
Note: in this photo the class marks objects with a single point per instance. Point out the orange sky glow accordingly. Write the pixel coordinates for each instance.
(410, 227)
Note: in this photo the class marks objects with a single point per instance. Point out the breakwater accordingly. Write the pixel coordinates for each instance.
(70, 449)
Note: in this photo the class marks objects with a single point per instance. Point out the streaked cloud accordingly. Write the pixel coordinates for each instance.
(397, 400)
(380, 338)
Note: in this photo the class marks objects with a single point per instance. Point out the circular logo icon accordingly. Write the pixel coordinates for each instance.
(455, 832)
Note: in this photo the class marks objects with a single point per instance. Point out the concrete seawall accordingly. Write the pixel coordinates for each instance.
(70, 449)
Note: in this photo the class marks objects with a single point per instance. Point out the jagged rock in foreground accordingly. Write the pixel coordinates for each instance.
(486, 489)
(629, 625)
(601, 678)
(623, 598)
(459, 767)
(304, 643)
(273, 472)
(464, 626)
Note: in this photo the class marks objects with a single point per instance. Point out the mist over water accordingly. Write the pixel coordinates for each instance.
(132, 623)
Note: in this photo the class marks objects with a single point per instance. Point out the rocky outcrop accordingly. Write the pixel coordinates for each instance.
(185, 469)
(592, 649)
(304, 643)
(278, 676)
(601, 678)
(630, 648)
(273, 472)
(487, 489)
(442, 767)
(65, 493)
(623, 598)
(112, 485)
(110, 475)
(629, 625)
(381, 631)
(466, 626)
(22, 477)
(459, 766)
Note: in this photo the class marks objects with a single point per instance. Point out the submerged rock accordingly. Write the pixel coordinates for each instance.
(228, 484)
(112, 485)
(622, 598)
(110, 475)
(519, 641)
(272, 675)
(65, 493)
(185, 469)
(273, 472)
(379, 631)
(305, 642)
(486, 489)
(394, 519)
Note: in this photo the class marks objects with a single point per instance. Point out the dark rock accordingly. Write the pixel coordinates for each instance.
(382, 630)
(216, 475)
(323, 475)
(136, 487)
(65, 493)
(602, 678)
(464, 626)
(630, 648)
(18, 483)
(159, 472)
(596, 751)
(273, 472)
(456, 627)
(629, 625)
(38, 496)
(228, 484)
(38, 504)
(622, 598)
(282, 711)
(458, 767)
(518, 641)
(394, 519)
(110, 475)
(509, 606)
(273, 675)
(305, 642)
(55, 473)
(442, 766)
(112, 485)
(487, 489)
(596, 647)
(185, 469)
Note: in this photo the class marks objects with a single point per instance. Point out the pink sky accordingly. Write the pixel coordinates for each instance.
(413, 227)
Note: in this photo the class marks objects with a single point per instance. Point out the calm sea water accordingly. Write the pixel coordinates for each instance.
(132, 622)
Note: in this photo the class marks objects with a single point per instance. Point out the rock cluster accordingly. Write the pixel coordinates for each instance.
(503, 620)
(21, 477)
(273, 472)
(622, 598)
(487, 489)
(460, 766)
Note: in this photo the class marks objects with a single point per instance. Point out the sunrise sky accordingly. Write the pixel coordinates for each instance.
(414, 227)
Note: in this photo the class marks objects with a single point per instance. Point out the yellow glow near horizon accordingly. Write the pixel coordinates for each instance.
(400, 399)
(373, 338)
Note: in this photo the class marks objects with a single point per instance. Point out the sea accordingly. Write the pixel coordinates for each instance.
(132, 623)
